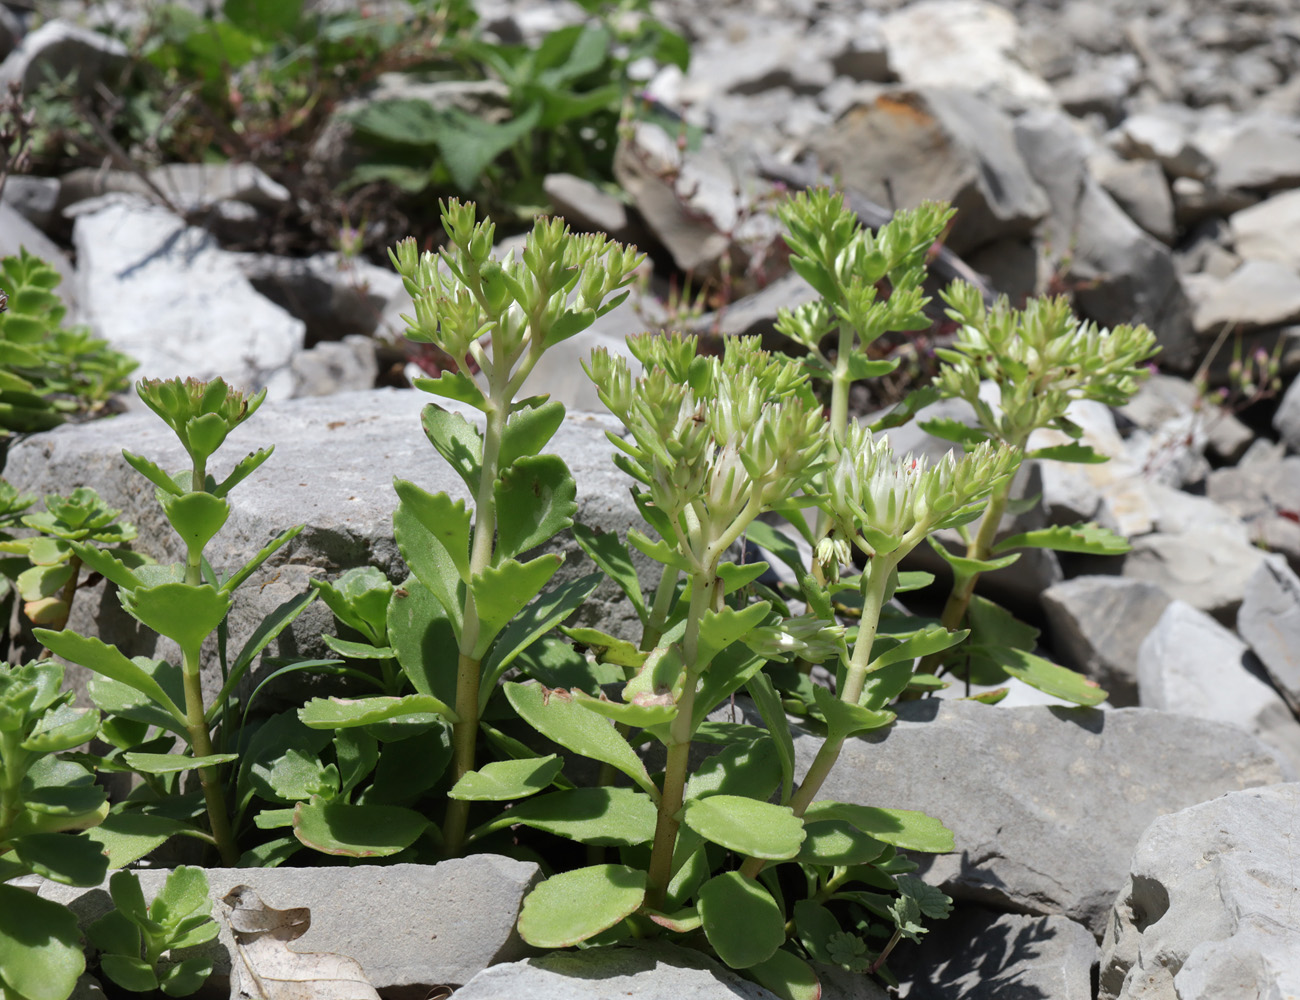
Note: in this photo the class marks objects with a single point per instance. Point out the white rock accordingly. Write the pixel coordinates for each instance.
(167, 295)
(970, 45)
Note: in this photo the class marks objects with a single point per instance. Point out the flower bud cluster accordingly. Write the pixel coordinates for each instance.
(1041, 358)
(805, 636)
(720, 436)
(200, 413)
(463, 293)
(882, 502)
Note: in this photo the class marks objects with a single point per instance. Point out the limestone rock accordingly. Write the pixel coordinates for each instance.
(1098, 623)
(979, 954)
(912, 145)
(1209, 911)
(1192, 665)
(1259, 232)
(1269, 621)
(969, 44)
(1131, 275)
(59, 49)
(164, 293)
(1022, 790)
(333, 469)
(1259, 293)
(408, 925)
(1206, 568)
(654, 970)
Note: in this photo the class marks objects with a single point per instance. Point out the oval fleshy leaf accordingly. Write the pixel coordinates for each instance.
(507, 779)
(741, 919)
(172, 763)
(356, 831)
(348, 713)
(747, 826)
(604, 816)
(181, 611)
(577, 905)
(903, 828)
(788, 976)
(1048, 677)
(558, 717)
(837, 842)
(40, 946)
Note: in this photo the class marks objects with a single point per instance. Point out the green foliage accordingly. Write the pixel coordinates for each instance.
(48, 372)
(44, 804)
(185, 602)
(135, 941)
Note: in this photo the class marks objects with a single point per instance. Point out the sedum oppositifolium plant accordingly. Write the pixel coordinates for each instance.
(481, 717)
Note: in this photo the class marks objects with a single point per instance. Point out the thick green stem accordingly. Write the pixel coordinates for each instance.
(679, 752)
(876, 575)
(11, 780)
(469, 668)
(954, 610)
(659, 611)
(209, 777)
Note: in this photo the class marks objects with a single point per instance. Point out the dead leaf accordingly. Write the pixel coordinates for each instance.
(270, 970)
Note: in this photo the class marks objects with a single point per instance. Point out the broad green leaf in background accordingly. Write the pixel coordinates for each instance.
(788, 976)
(501, 592)
(611, 817)
(344, 713)
(445, 520)
(1046, 676)
(40, 946)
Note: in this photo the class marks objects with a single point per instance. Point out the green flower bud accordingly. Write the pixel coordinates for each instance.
(200, 413)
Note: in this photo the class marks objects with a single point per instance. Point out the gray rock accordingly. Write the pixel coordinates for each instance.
(1139, 187)
(335, 296)
(35, 198)
(689, 217)
(1192, 665)
(1269, 621)
(1259, 232)
(1206, 568)
(978, 954)
(908, 146)
(755, 315)
(1260, 152)
(59, 49)
(183, 187)
(347, 365)
(333, 469)
(1023, 790)
(1286, 421)
(768, 57)
(1097, 624)
(164, 293)
(653, 970)
(1195, 200)
(1131, 276)
(587, 208)
(1101, 86)
(856, 46)
(1259, 293)
(971, 45)
(1163, 134)
(408, 925)
(1209, 909)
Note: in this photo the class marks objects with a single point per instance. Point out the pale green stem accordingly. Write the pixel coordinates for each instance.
(659, 611)
(877, 574)
(11, 780)
(464, 736)
(679, 751)
(201, 744)
(954, 610)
